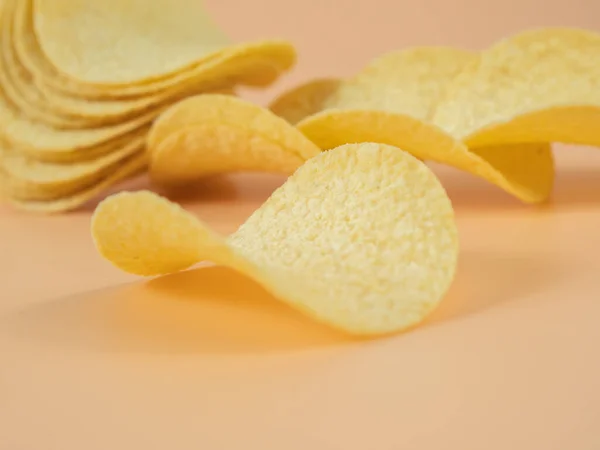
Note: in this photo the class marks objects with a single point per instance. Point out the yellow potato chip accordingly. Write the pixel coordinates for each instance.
(38, 180)
(55, 108)
(175, 32)
(305, 100)
(540, 85)
(525, 171)
(179, 40)
(50, 143)
(407, 82)
(128, 169)
(69, 111)
(361, 237)
(214, 133)
(14, 79)
(392, 100)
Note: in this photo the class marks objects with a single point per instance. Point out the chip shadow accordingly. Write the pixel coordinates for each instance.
(574, 188)
(487, 280)
(213, 189)
(208, 310)
(217, 311)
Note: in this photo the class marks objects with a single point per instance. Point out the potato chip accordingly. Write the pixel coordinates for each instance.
(214, 133)
(177, 34)
(128, 169)
(361, 237)
(55, 108)
(407, 82)
(540, 85)
(305, 100)
(525, 171)
(51, 144)
(392, 100)
(39, 180)
(178, 41)
(14, 79)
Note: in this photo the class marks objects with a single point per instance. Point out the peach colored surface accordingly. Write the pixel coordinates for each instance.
(94, 359)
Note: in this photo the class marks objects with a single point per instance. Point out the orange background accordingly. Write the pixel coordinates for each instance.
(91, 358)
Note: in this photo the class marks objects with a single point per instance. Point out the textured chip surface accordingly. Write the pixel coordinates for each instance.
(392, 101)
(138, 47)
(215, 133)
(361, 237)
(540, 85)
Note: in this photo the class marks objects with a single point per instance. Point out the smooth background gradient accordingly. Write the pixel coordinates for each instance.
(91, 358)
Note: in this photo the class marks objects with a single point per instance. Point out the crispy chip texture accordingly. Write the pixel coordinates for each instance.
(361, 237)
(144, 46)
(392, 101)
(215, 133)
(406, 82)
(540, 85)
(81, 82)
(389, 102)
(54, 107)
(525, 171)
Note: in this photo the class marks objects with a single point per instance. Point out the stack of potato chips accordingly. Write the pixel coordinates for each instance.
(81, 82)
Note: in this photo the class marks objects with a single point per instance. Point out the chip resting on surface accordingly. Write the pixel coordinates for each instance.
(392, 101)
(361, 237)
(210, 134)
(20, 55)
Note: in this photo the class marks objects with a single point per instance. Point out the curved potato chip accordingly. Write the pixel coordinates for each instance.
(128, 169)
(177, 34)
(305, 100)
(525, 171)
(58, 109)
(391, 101)
(214, 133)
(540, 85)
(49, 143)
(178, 41)
(15, 80)
(39, 180)
(362, 238)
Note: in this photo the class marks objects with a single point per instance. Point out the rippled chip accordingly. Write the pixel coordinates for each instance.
(540, 85)
(361, 237)
(393, 100)
(214, 133)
